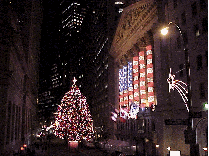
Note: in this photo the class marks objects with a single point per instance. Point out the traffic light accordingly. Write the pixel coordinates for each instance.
(190, 136)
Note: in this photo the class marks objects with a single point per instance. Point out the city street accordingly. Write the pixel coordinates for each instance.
(57, 147)
(61, 150)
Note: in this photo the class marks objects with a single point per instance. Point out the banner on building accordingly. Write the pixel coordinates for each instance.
(136, 85)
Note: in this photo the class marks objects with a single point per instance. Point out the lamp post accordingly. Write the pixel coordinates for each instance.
(190, 137)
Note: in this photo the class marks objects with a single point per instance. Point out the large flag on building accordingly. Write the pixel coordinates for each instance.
(124, 111)
(136, 85)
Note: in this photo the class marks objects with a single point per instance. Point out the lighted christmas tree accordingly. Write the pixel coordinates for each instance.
(73, 120)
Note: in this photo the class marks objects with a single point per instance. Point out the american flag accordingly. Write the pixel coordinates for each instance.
(136, 83)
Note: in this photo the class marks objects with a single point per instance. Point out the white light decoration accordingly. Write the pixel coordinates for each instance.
(125, 85)
(134, 109)
(121, 86)
(130, 82)
(180, 86)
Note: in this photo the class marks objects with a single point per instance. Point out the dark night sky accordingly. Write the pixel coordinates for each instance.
(49, 34)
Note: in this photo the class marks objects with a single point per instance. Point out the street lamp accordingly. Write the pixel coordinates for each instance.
(164, 31)
(189, 132)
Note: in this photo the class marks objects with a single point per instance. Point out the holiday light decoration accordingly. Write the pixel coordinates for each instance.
(124, 112)
(136, 79)
(114, 115)
(150, 83)
(138, 76)
(125, 87)
(130, 82)
(180, 86)
(134, 109)
(73, 120)
(121, 86)
(142, 79)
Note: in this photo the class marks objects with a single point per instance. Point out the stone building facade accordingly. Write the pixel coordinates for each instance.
(20, 43)
(139, 26)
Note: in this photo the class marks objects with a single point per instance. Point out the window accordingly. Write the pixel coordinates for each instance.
(174, 4)
(185, 38)
(183, 18)
(153, 126)
(9, 111)
(194, 9)
(202, 90)
(202, 4)
(196, 30)
(178, 40)
(204, 25)
(199, 62)
(177, 21)
(181, 72)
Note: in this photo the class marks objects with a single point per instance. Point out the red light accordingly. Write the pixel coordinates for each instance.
(24, 145)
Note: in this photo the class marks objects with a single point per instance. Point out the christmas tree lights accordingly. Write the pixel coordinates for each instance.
(73, 120)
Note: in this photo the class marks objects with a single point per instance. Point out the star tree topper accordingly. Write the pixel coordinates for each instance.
(74, 80)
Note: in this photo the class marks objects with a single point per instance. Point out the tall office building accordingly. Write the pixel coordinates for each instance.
(73, 14)
(59, 59)
(88, 28)
(97, 64)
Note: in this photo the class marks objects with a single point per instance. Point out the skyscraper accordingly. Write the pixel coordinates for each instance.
(85, 31)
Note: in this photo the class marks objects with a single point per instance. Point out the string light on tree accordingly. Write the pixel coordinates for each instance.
(73, 120)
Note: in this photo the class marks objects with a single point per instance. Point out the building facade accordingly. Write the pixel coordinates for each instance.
(158, 128)
(187, 31)
(19, 72)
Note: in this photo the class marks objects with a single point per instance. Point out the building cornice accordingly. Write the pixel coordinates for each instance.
(135, 21)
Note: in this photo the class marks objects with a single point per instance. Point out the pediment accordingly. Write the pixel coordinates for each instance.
(133, 23)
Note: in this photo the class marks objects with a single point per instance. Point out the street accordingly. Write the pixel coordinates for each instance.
(57, 147)
(62, 150)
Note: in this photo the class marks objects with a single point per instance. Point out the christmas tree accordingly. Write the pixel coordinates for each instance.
(73, 120)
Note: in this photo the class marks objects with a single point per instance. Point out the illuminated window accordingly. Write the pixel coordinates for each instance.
(120, 10)
(118, 2)
(196, 30)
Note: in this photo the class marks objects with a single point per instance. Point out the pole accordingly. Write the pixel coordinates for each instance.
(194, 148)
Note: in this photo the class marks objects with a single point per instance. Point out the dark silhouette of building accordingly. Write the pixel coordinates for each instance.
(20, 49)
